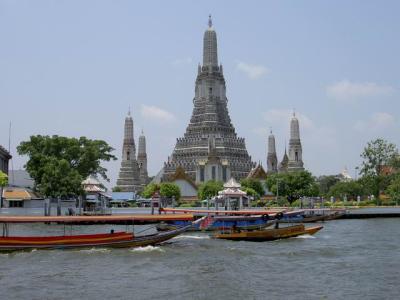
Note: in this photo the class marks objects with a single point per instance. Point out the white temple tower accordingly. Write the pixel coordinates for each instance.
(295, 151)
(272, 159)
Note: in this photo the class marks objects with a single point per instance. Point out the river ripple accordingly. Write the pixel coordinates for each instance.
(348, 259)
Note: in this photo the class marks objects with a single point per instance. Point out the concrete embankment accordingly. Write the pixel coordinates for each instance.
(372, 212)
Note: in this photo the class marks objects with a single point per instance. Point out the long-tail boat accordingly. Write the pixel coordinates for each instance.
(313, 215)
(267, 234)
(214, 222)
(250, 219)
(112, 239)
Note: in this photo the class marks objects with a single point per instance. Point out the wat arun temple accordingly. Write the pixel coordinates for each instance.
(210, 148)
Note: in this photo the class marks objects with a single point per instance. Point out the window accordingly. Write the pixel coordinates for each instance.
(213, 173)
(224, 173)
(128, 155)
(15, 203)
(202, 174)
(296, 156)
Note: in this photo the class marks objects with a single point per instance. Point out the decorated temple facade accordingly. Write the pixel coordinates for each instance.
(133, 172)
(210, 148)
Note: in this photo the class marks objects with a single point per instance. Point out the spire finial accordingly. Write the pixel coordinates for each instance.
(209, 21)
(294, 112)
(142, 132)
(129, 110)
(270, 129)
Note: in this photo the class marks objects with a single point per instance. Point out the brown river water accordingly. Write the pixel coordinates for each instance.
(348, 259)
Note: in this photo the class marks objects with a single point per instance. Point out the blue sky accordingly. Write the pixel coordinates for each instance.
(74, 67)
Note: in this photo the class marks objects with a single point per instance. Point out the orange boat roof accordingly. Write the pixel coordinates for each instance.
(97, 219)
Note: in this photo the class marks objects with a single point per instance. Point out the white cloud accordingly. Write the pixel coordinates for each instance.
(182, 61)
(252, 71)
(155, 113)
(346, 90)
(378, 121)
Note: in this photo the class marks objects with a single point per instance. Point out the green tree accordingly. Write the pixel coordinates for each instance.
(3, 179)
(325, 182)
(367, 184)
(251, 192)
(254, 184)
(350, 189)
(3, 183)
(377, 154)
(59, 164)
(169, 190)
(395, 162)
(117, 189)
(293, 185)
(209, 189)
(150, 189)
(393, 190)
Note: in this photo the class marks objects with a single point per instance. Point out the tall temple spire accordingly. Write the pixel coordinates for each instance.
(142, 160)
(294, 128)
(128, 179)
(283, 165)
(295, 149)
(272, 159)
(210, 56)
(210, 130)
(129, 142)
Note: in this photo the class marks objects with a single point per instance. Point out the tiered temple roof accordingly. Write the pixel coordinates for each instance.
(210, 122)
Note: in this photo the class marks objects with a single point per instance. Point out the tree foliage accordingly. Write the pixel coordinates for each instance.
(349, 189)
(166, 189)
(253, 184)
(3, 179)
(209, 189)
(325, 182)
(117, 189)
(59, 164)
(170, 190)
(393, 190)
(293, 185)
(376, 154)
(251, 192)
(3, 183)
(150, 189)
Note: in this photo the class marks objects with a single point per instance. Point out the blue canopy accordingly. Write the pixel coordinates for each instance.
(125, 196)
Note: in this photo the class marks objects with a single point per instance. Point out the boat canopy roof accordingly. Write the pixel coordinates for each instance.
(226, 212)
(131, 218)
